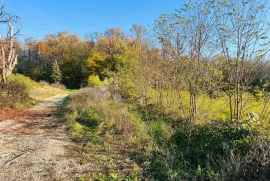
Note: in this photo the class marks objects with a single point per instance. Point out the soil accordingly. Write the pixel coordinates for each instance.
(36, 146)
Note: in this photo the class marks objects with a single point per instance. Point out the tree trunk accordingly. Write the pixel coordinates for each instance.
(10, 61)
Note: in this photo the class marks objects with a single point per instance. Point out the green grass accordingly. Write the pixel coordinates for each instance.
(208, 108)
(162, 147)
(27, 81)
(108, 130)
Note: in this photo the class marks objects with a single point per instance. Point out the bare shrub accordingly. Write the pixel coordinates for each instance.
(87, 96)
(44, 84)
(14, 95)
(254, 165)
(59, 86)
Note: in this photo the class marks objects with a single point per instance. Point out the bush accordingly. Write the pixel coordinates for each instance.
(160, 132)
(115, 119)
(23, 80)
(94, 81)
(197, 140)
(108, 129)
(89, 118)
(88, 97)
(44, 84)
(15, 94)
(58, 86)
(222, 150)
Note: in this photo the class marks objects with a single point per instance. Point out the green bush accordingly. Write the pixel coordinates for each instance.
(94, 81)
(197, 140)
(159, 132)
(222, 150)
(23, 80)
(89, 118)
(158, 169)
(152, 114)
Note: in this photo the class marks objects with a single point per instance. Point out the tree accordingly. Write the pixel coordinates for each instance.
(242, 30)
(8, 54)
(70, 52)
(108, 55)
(56, 72)
(186, 39)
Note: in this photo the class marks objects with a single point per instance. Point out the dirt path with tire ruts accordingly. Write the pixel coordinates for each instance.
(37, 147)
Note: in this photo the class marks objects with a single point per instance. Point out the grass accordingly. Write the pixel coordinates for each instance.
(107, 130)
(219, 150)
(42, 92)
(130, 142)
(208, 108)
(22, 92)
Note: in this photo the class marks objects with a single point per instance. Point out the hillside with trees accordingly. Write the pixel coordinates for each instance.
(187, 99)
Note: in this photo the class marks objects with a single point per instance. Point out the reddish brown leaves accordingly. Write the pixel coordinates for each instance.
(21, 115)
(6, 114)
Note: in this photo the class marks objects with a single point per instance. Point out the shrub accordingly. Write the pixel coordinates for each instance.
(58, 86)
(222, 150)
(88, 97)
(254, 165)
(23, 80)
(15, 94)
(44, 83)
(34, 73)
(94, 81)
(89, 118)
(160, 132)
(197, 140)
(115, 119)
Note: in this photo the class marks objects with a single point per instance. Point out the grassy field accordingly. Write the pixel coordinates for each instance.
(208, 108)
(158, 147)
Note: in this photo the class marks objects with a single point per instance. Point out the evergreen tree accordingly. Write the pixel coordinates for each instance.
(56, 72)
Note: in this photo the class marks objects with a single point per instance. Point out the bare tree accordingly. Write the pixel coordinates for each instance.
(8, 55)
(187, 39)
(242, 32)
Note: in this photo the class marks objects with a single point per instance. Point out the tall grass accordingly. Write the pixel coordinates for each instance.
(22, 92)
(208, 108)
(166, 148)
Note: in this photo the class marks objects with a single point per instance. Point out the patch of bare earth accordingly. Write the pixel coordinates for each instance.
(35, 146)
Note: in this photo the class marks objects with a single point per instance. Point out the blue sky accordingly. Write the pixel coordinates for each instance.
(41, 17)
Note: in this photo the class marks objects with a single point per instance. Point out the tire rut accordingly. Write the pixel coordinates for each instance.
(38, 149)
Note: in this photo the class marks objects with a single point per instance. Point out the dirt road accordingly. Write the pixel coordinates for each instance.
(37, 147)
